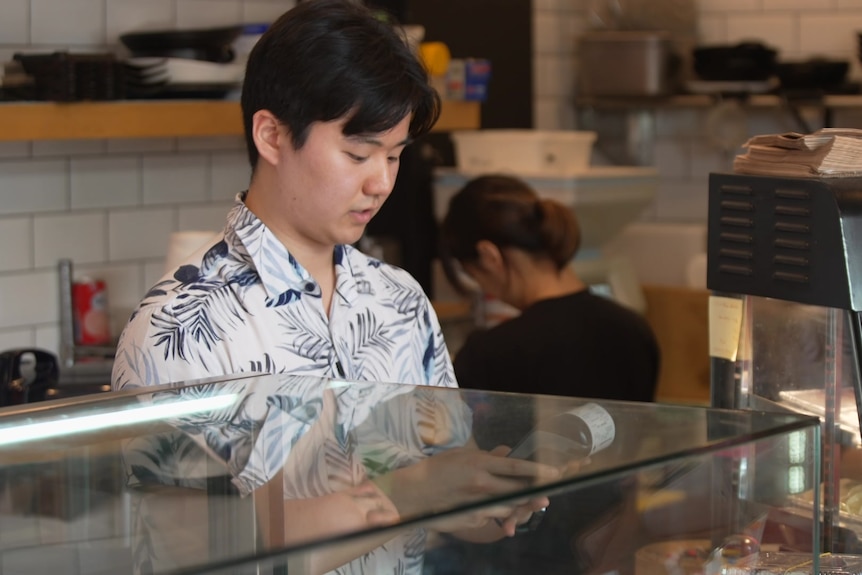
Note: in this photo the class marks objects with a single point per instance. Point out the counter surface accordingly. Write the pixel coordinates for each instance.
(197, 477)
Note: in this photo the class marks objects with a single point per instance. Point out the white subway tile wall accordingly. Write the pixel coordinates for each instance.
(229, 173)
(827, 34)
(711, 29)
(55, 148)
(124, 16)
(203, 217)
(13, 338)
(796, 4)
(730, 6)
(15, 149)
(69, 22)
(262, 10)
(28, 297)
(16, 245)
(14, 21)
(109, 181)
(175, 178)
(52, 234)
(112, 204)
(141, 146)
(140, 234)
(197, 13)
(779, 31)
(33, 186)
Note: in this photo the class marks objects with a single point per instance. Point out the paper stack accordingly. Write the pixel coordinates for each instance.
(828, 152)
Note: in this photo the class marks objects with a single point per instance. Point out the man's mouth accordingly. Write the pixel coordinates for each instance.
(363, 216)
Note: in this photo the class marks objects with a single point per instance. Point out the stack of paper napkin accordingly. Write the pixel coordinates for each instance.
(829, 152)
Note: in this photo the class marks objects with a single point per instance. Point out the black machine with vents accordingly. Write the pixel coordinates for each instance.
(789, 238)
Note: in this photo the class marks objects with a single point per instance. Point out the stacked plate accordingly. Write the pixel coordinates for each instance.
(153, 77)
(196, 63)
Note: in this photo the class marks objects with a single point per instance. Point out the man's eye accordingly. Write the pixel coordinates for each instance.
(355, 157)
(394, 159)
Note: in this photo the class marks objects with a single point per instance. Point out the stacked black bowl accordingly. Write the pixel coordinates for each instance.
(746, 61)
(63, 76)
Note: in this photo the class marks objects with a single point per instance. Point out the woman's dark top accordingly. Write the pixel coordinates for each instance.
(581, 345)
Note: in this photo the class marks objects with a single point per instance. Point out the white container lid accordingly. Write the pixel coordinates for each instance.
(533, 152)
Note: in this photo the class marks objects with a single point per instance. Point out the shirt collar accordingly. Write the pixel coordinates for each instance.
(282, 276)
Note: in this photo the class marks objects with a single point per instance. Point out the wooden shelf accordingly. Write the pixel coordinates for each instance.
(157, 119)
(707, 100)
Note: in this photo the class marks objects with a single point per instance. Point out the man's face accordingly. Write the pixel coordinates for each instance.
(331, 187)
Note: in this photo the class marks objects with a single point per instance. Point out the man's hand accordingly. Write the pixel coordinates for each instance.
(463, 475)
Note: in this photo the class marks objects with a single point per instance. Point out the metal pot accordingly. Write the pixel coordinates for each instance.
(627, 63)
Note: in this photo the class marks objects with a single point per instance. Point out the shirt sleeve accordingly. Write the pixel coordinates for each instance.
(140, 360)
(442, 373)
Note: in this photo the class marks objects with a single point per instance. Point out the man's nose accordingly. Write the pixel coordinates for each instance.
(381, 181)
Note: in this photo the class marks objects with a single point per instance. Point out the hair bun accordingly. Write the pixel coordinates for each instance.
(539, 210)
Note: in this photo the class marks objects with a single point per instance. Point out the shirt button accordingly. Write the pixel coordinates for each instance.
(309, 286)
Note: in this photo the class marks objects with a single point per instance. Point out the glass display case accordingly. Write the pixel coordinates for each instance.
(295, 474)
(785, 271)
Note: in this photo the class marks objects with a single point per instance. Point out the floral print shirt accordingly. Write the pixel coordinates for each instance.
(244, 305)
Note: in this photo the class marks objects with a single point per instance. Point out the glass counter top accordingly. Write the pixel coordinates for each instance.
(277, 473)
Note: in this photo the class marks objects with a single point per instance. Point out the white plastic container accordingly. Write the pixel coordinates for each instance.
(526, 152)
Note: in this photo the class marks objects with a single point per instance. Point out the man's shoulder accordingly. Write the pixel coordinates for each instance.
(185, 284)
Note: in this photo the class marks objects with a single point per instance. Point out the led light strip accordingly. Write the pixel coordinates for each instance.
(81, 424)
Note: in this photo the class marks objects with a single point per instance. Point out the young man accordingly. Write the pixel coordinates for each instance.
(331, 97)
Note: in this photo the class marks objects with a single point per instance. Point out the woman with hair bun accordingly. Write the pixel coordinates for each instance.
(566, 340)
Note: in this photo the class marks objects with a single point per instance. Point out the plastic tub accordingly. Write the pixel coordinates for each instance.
(526, 152)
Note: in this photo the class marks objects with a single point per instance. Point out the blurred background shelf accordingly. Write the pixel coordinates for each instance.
(709, 100)
(155, 119)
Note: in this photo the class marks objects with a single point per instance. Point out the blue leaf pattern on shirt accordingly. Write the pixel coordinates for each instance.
(241, 309)
(284, 298)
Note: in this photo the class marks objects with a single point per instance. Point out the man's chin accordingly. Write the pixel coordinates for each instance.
(354, 239)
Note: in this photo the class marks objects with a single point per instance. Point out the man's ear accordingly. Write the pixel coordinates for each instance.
(269, 135)
(490, 256)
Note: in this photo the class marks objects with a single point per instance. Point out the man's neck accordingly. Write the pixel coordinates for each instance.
(316, 260)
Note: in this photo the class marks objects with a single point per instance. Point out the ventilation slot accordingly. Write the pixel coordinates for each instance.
(792, 230)
(736, 235)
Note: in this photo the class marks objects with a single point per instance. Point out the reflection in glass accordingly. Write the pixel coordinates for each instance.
(232, 476)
